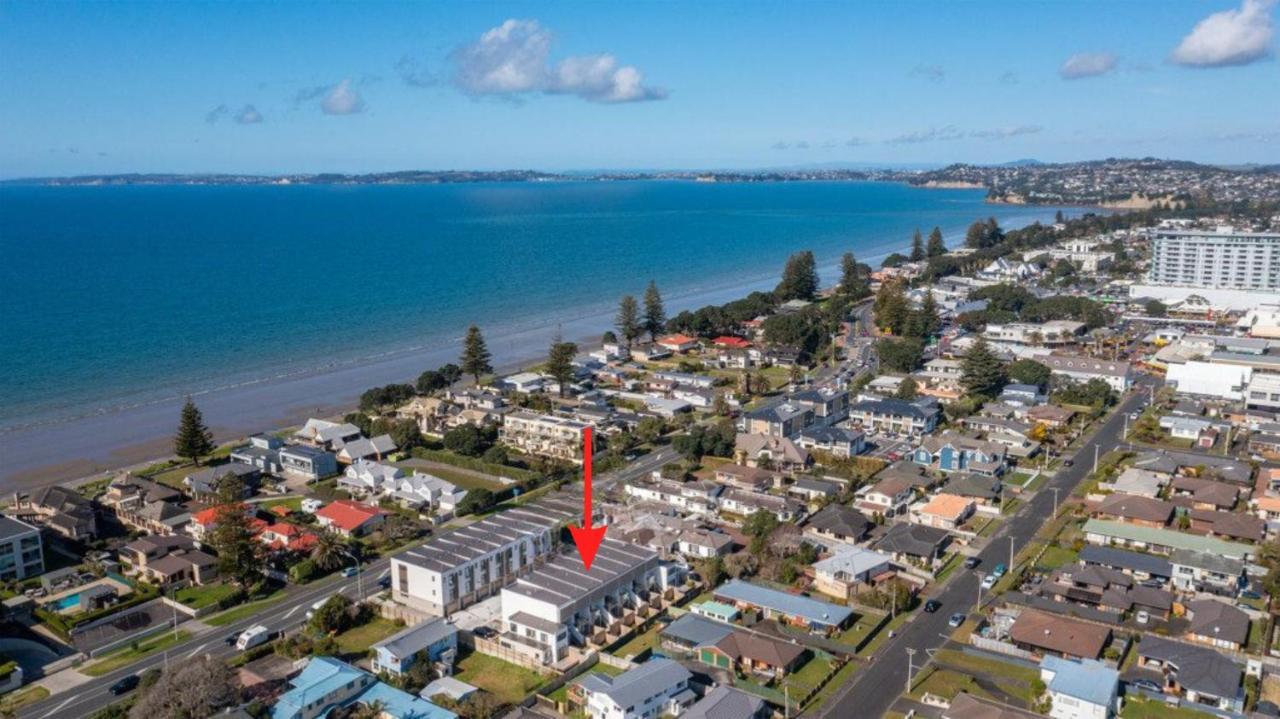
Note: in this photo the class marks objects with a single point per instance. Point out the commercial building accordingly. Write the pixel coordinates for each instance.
(21, 551)
(461, 567)
(563, 603)
(1222, 259)
(543, 434)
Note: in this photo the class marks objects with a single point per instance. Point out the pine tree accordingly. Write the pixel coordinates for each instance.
(628, 319)
(917, 246)
(560, 361)
(891, 308)
(981, 372)
(655, 316)
(907, 389)
(475, 355)
(799, 278)
(936, 246)
(929, 322)
(852, 284)
(240, 555)
(194, 440)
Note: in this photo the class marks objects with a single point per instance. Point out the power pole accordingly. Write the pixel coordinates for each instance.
(910, 655)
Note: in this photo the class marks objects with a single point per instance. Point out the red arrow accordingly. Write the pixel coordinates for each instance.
(587, 538)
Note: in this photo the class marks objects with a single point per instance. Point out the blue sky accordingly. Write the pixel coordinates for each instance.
(301, 87)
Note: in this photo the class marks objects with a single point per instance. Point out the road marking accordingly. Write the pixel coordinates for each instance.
(197, 650)
(291, 611)
(58, 708)
(384, 573)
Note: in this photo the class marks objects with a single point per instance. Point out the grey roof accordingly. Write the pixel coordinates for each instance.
(1207, 560)
(809, 484)
(411, 640)
(1219, 620)
(695, 629)
(974, 485)
(526, 619)
(896, 407)
(12, 528)
(777, 412)
(831, 435)
(813, 610)
(563, 582)
(842, 520)
(473, 541)
(725, 703)
(1199, 669)
(1230, 470)
(635, 685)
(913, 539)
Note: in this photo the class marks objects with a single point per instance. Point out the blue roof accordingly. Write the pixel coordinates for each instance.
(1088, 680)
(326, 677)
(816, 612)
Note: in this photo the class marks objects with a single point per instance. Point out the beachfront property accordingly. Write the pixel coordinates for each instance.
(435, 640)
(206, 484)
(563, 604)
(262, 451)
(815, 615)
(368, 448)
(327, 435)
(466, 565)
(146, 506)
(659, 687)
(21, 550)
(327, 683)
(308, 462)
(60, 509)
(544, 435)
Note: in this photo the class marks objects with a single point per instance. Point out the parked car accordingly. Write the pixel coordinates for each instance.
(1143, 617)
(972, 562)
(350, 571)
(385, 582)
(956, 620)
(484, 632)
(252, 637)
(989, 581)
(999, 571)
(1250, 594)
(1068, 462)
(932, 606)
(1146, 684)
(127, 684)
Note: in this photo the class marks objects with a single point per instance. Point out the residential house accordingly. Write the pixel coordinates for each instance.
(836, 441)
(349, 518)
(817, 616)
(649, 352)
(692, 630)
(951, 451)
(62, 510)
(285, 537)
(895, 416)
(365, 478)
(1230, 525)
(1085, 689)
(703, 543)
(1160, 541)
(263, 452)
(760, 450)
(1217, 624)
(146, 506)
(915, 544)
(754, 655)
(1117, 375)
(202, 523)
(781, 418)
(327, 435)
(888, 497)
(678, 343)
(369, 448)
(1139, 483)
(1204, 493)
(1051, 416)
(326, 683)
(725, 702)
(849, 570)
(1200, 675)
(657, 687)
(544, 435)
(1135, 510)
(751, 479)
(1054, 635)
(943, 511)
(811, 489)
(206, 484)
(435, 640)
(308, 462)
(983, 490)
(426, 491)
(838, 523)
(1139, 565)
(180, 567)
(745, 504)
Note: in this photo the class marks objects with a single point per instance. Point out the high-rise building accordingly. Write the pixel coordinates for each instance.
(1221, 259)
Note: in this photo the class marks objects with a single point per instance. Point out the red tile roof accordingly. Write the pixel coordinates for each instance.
(287, 536)
(348, 515)
(677, 340)
(732, 342)
(209, 516)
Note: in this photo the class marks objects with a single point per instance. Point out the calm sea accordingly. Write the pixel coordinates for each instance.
(115, 296)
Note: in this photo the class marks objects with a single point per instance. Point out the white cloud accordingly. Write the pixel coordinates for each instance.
(513, 59)
(1087, 64)
(1230, 37)
(249, 115)
(1003, 133)
(948, 132)
(341, 99)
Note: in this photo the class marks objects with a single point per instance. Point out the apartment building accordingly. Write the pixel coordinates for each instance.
(1221, 259)
(461, 567)
(21, 552)
(543, 434)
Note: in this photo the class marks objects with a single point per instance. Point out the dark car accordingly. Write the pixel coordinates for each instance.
(932, 606)
(1146, 684)
(972, 562)
(230, 639)
(484, 632)
(1250, 594)
(127, 684)
(385, 582)
(1068, 462)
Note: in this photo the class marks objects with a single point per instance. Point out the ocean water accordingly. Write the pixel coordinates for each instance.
(118, 296)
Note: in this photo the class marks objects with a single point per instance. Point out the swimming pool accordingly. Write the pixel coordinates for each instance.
(71, 601)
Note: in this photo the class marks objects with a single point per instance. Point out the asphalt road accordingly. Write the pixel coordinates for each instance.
(876, 688)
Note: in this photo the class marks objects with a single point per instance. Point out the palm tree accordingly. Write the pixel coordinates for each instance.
(372, 710)
(328, 551)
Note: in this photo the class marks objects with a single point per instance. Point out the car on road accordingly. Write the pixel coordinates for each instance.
(252, 637)
(999, 571)
(956, 620)
(972, 562)
(989, 581)
(125, 685)
(932, 606)
(1068, 462)
(230, 639)
(385, 582)
(350, 571)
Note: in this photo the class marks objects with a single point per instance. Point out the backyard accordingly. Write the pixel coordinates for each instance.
(506, 681)
(357, 640)
(649, 639)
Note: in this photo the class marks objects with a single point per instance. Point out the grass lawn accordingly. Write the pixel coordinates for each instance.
(1055, 557)
(562, 694)
(950, 566)
(197, 597)
(807, 677)
(506, 681)
(883, 635)
(638, 643)
(1144, 709)
(357, 640)
(1256, 638)
(946, 684)
(128, 655)
(860, 629)
(22, 697)
(293, 503)
(235, 614)
(1020, 677)
(841, 678)
(173, 477)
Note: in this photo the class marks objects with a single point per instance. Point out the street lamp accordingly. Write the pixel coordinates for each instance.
(911, 653)
(1010, 554)
(1055, 500)
(359, 575)
(978, 606)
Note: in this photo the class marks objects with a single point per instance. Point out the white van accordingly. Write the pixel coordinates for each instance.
(252, 637)
(316, 607)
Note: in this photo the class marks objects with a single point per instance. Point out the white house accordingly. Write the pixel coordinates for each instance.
(1085, 689)
(364, 477)
(656, 688)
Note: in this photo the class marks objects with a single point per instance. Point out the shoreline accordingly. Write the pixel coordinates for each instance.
(96, 441)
